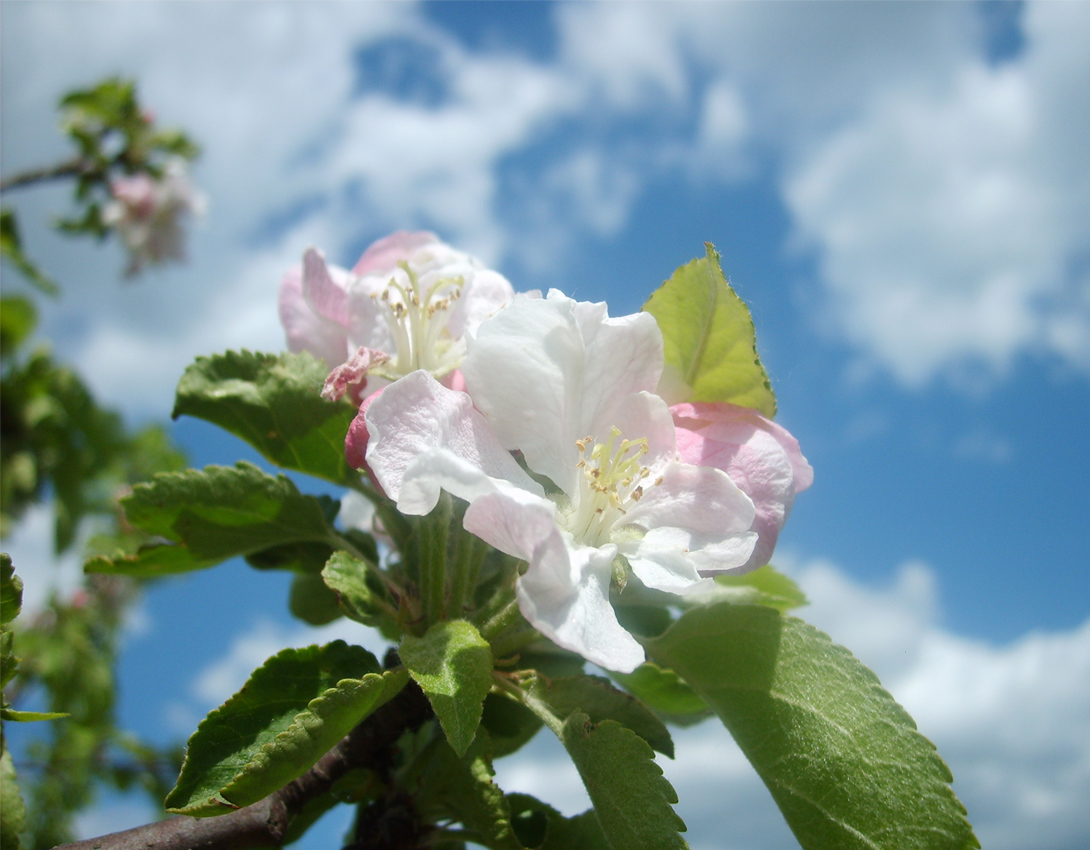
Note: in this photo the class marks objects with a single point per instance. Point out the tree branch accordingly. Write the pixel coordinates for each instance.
(265, 823)
(69, 168)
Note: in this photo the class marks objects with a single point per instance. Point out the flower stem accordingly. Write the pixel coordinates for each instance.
(434, 530)
(470, 553)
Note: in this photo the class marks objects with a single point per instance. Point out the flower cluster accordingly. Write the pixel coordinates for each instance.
(147, 213)
(553, 434)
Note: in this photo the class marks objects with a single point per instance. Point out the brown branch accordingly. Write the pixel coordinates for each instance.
(265, 823)
(69, 168)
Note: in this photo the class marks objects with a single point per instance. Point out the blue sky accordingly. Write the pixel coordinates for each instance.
(901, 192)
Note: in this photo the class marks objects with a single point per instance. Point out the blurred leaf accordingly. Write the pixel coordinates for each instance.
(842, 759)
(311, 601)
(632, 799)
(11, 248)
(452, 663)
(509, 724)
(12, 809)
(710, 343)
(18, 318)
(272, 402)
(11, 590)
(291, 711)
(541, 827)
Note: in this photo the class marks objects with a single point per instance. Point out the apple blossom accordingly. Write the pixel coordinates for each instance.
(761, 457)
(406, 305)
(570, 388)
(147, 211)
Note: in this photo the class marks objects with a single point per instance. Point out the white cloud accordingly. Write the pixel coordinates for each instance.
(42, 572)
(946, 219)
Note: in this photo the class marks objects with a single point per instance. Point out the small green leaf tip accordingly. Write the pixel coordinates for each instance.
(709, 340)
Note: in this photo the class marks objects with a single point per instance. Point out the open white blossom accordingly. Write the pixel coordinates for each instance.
(570, 389)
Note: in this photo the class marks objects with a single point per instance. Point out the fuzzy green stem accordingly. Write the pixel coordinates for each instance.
(542, 709)
(434, 530)
(468, 557)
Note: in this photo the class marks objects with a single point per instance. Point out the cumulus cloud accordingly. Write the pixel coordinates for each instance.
(947, 220)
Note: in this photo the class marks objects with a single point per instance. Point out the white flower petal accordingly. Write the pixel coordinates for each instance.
(565, 592)
(548, 372)
(416, 415)
(674, 560)
(698, 498)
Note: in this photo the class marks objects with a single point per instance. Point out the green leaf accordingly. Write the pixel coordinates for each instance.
(215, 514)
(541, 827)
(311, 601)
(662, 689)
(509, 724)
(11, 590)
(306, 557)
(18, 318)
(710, 343)
(842, 759)
(764, 586)
(150, 561)
(359, 596)
(601, 701)
(293, 710)
(272, 402)
(463, 789)
(631, 797)
(12, 809)
(31, 716)
(452, 663)
(11, 249)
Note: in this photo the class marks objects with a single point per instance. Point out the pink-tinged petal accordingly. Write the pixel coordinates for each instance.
(700, 499)
(565, 592)
(417, 414)
(762, 458)
(384, 254)
(352, 373)
(548, 372)
(454, 381)
(325, 288)
(305, 329)
(355, 442)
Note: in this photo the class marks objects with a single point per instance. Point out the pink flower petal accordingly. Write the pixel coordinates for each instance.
(762, 458)
(384, 254)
